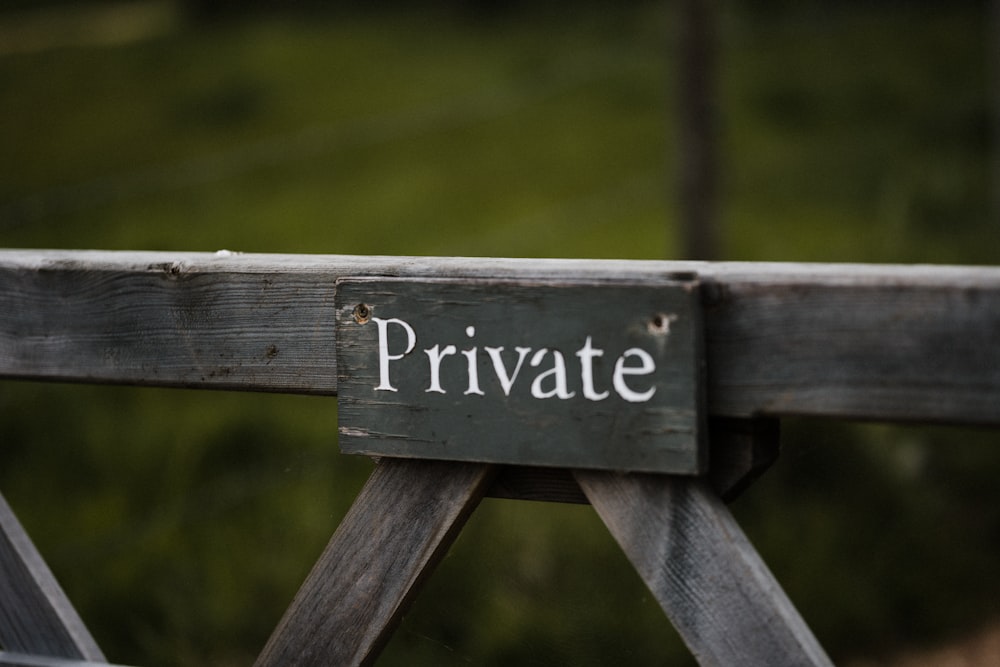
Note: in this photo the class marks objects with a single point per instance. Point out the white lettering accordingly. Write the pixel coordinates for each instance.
(550, 382)
(621, 370)
(473, 365)
(436, 355)
(558, 373)
(473, 372)
(383, 349)
(587, 354)
(506, 381)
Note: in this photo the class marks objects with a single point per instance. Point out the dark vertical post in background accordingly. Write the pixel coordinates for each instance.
(697, 130)
(993, 71)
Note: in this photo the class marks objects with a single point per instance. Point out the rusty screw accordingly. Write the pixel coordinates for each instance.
(362, 313)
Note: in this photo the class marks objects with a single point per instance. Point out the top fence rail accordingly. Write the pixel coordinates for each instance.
(895, 343)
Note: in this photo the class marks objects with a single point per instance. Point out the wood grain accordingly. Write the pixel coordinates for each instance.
(699, 565)
(401, 524)
(740, 451)
(8, 659)
(847, 341)
(35, 615)
(554, 485)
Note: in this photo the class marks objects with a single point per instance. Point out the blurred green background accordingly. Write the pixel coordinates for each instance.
(182, 522)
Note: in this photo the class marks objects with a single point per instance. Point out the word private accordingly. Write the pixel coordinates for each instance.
(558, 387)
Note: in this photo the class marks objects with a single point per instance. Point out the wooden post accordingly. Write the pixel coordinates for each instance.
(402, 523)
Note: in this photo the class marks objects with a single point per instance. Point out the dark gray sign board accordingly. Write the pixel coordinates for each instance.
(604, 375)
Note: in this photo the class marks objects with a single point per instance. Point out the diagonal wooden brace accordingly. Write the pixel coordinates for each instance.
(36, 617)
(401, 524)
(703, 571)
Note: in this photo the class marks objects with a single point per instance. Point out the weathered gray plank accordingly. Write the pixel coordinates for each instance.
(166, 323)
(401, 524)
(23, 660)
(895, 346)
(853, 341)
(416, 378)
(35, 615)
(698, 564)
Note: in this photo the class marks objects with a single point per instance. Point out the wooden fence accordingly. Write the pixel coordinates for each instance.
(913, 343)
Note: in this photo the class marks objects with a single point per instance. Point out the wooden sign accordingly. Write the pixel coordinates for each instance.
(601, 375)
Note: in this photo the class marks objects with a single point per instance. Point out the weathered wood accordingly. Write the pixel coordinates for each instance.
(554, 485)
(401, 524)
(847, 341)
(35, 615)
(740, 450)
(915, 344)
(702, 570)
(165, 322)
(540, 373)
(22, 660)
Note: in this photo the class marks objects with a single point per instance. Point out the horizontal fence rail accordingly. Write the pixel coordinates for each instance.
(850, 341)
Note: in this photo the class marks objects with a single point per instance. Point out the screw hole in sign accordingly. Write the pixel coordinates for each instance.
(659, 324)
(362, 313)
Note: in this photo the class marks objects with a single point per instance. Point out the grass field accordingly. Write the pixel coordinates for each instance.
(181, 523)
